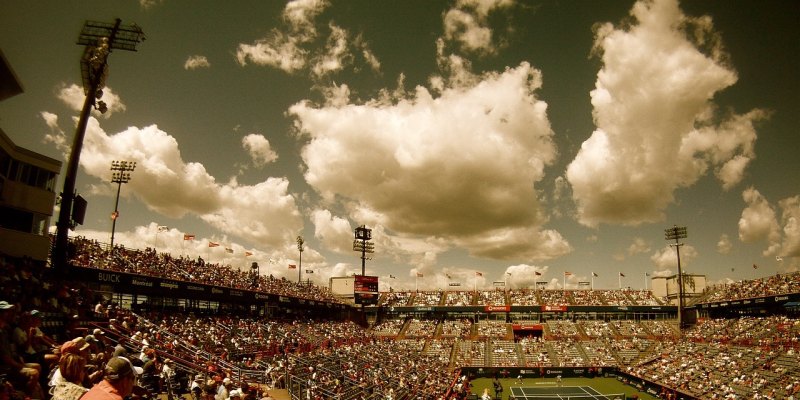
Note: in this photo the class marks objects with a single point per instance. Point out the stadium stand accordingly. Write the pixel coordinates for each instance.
(211, 347)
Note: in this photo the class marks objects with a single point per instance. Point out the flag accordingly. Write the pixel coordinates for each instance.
(567, 273)
(595, 275)
(508, 273)
(478, 273)
(162, 228)
(537, 273)
(448, 276)
(621, 274)
(247, 254)
(187, 236)
(212, 244)
(419, 275)
(229, 250)
(309, 271)
(646, 274)
(391, 276)
(755, 266)
(292, 266)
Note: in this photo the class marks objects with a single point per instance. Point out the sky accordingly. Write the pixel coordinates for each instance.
(482, 141)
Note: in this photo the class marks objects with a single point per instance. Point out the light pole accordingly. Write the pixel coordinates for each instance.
(362, 243)
(676, 233)
(100, 39)
(120, 173)
(300, 242)
(256, 271)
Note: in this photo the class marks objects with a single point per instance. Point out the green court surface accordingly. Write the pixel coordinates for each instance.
(569, 388)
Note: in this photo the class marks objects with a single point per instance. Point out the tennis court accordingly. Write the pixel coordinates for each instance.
(561, 393)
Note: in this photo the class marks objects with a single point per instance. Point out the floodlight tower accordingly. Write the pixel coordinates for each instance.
(99, 39)
(300, 242)
(677, 233)
(362, 243)
(120, 173)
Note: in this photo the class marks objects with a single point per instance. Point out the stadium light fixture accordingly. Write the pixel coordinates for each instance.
(120, 173)
(677, 233)
(99, 39)
(300, 242)
(362, 244)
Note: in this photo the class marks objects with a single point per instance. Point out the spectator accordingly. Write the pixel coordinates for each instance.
(118, 382)
(11, 363)
(73, 371)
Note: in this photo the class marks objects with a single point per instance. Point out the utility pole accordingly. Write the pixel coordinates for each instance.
(99, 39)
(676, 233)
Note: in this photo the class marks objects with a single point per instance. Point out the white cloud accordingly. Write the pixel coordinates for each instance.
(656, 128)
(667, 259)
(56, 134)
(74, 98)
(421, 148)
(467, 24)
(259, 149)
(638, 246)
(336, 55)
(195, 62)
(333, 232)
(790, 219)
(524, 275)
(148, 4)
(724, 245)
(295, 48)
(264, 213)
(758, 221)
(277, 51)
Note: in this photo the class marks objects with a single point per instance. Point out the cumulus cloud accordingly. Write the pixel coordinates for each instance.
(490, 128)
(724, 245)
(56, 136)
(524, 275)
(335, 233)
(74, 98)
(263, 213)
(656, 125)
(195, 62)
(336, 53)
(295, 49)
(259, 149)
(758, 221)
(467, 24)
(638, 246)
(790, 219)
(666, 258)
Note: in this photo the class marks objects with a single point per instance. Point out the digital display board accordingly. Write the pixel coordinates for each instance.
(365, 289)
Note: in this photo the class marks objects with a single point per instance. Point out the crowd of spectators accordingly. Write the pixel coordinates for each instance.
(59, 337)
(773, 285)
(148, 262)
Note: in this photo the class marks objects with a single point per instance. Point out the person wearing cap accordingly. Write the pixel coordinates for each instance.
(118, 381)
(196, 387)
(10, 361)
(223, 391)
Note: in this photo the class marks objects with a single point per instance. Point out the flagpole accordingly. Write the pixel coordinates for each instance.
(535, 281)
(619, 277)
(645, 281)
(564, 286)
(592, 280)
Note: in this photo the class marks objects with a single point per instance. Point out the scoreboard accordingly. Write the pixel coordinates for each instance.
(365, 289)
